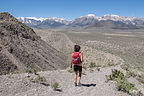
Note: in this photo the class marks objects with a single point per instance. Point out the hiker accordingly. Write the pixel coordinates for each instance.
(76, 60)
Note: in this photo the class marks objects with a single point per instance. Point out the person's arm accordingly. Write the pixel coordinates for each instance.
(81, 57)
(71, 61)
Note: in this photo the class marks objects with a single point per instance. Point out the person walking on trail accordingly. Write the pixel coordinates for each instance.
(76, 60)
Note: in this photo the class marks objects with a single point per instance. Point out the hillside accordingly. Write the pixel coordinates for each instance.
(58, 40)
(21, 49)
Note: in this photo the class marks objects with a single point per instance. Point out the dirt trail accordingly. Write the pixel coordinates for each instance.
(94, 84)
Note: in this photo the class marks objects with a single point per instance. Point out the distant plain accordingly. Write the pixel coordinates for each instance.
(127, 44)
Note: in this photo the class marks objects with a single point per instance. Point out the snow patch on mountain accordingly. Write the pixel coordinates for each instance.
(82, 20)
(28, 20)
(91, 15)
(31, 18)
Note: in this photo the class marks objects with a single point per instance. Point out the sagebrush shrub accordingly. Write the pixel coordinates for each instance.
(92, 64)
(39, 79)
(55, 85)
(121, 82)
(32, 70)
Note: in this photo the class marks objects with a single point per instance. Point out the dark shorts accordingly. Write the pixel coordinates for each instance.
(77, 68)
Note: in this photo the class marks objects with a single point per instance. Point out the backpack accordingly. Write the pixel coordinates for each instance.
(76, 58)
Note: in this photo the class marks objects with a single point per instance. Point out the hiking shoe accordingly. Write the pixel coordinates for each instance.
(79, 84)
(75, 83)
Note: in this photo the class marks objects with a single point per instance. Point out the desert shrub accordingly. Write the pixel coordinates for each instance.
(125, 67)
(4, 72)
(39, 79)
(16, 72)
(55, 85)
(70, 70)
(83, 72)
(111, 63)
(121, 82)
(27, 36)
(91, 70)
(119, 62)
(32, 70)
(141, 79)
(116, 74)
(124, 85)
(92, 65)
(84, 67)
(3, 42)
(130, 74)
(9, 75)
(98, 69)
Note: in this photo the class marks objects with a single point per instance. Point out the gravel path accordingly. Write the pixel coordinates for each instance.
(94, 84)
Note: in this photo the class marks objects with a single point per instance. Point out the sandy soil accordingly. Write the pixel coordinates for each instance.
(93, 84)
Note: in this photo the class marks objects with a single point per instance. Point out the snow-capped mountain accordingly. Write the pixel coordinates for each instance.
(88, 20)
(60, 20)
(91, 19)
(31, 20)
(124, 19)
(39, 22)
(84, 20)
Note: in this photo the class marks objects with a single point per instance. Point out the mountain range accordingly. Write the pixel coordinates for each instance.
(90, 20)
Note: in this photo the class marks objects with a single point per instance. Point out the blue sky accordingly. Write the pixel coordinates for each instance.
(71, 9)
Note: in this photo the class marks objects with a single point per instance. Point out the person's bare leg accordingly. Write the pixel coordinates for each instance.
(75, 77)
(80, 73)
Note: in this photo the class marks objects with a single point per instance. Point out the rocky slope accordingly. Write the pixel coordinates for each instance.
(58, 40)
(22, 49)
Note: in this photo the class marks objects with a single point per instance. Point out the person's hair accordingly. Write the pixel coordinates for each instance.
(76, 48)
